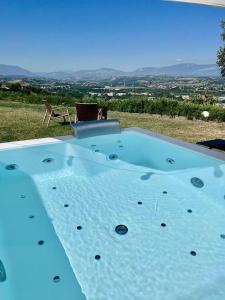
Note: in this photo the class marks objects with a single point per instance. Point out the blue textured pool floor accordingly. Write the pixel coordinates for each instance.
(174, 247)
(150, 259)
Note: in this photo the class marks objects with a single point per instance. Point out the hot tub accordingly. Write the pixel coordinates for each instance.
(134, 215)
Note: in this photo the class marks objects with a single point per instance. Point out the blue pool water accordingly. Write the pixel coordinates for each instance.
(61, 203)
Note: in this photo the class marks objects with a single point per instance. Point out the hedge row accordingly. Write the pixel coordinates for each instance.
(170, 108)
(161, 106)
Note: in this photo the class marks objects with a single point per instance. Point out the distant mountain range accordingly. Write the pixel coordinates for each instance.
(6, 70)
(193, 70)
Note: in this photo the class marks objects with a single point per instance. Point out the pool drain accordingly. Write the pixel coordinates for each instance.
(193, 253)
(197, 182)
(11, 167)
(163, 224)
(113, 156)
(222, 236)
(170, 160)
(189, 211)
(47, 160)
(97, 257)
(121, 229)
(79, 227)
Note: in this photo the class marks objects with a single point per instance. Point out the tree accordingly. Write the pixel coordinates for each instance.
(221, 52)
(15, 87)
(206, 98)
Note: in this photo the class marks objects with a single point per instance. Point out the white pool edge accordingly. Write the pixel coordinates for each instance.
(34, 142)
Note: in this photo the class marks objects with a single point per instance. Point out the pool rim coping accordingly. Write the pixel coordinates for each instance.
(59, 139)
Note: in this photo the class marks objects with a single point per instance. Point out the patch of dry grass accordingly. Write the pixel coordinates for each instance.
(181, 128)
(20, 121)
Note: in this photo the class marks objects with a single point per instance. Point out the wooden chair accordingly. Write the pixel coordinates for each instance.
(89, 112)
(86, 112)
(102, 112)
(53, 112)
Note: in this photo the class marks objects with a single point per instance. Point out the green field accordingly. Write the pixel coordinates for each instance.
(20, 121)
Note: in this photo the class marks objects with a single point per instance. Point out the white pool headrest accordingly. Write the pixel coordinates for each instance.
(86, 129)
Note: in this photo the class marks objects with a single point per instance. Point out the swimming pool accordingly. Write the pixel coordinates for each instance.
(62, 203)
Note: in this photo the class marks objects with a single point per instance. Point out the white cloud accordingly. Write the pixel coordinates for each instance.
(208, 2)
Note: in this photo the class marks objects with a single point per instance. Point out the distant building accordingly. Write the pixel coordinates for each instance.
(14, 81)
(111, 94)
(24, 84)
(221, 99)
(185, 97)
(121, 94)
(95, 94)
(4, 87)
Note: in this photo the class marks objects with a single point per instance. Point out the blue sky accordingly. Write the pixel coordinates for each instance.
(47, 35)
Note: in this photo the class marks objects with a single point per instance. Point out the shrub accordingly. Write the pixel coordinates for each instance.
(173, 108)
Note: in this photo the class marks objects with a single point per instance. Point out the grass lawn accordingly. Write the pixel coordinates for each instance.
(20, 121)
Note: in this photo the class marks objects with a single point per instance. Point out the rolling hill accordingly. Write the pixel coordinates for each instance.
(193, 70)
